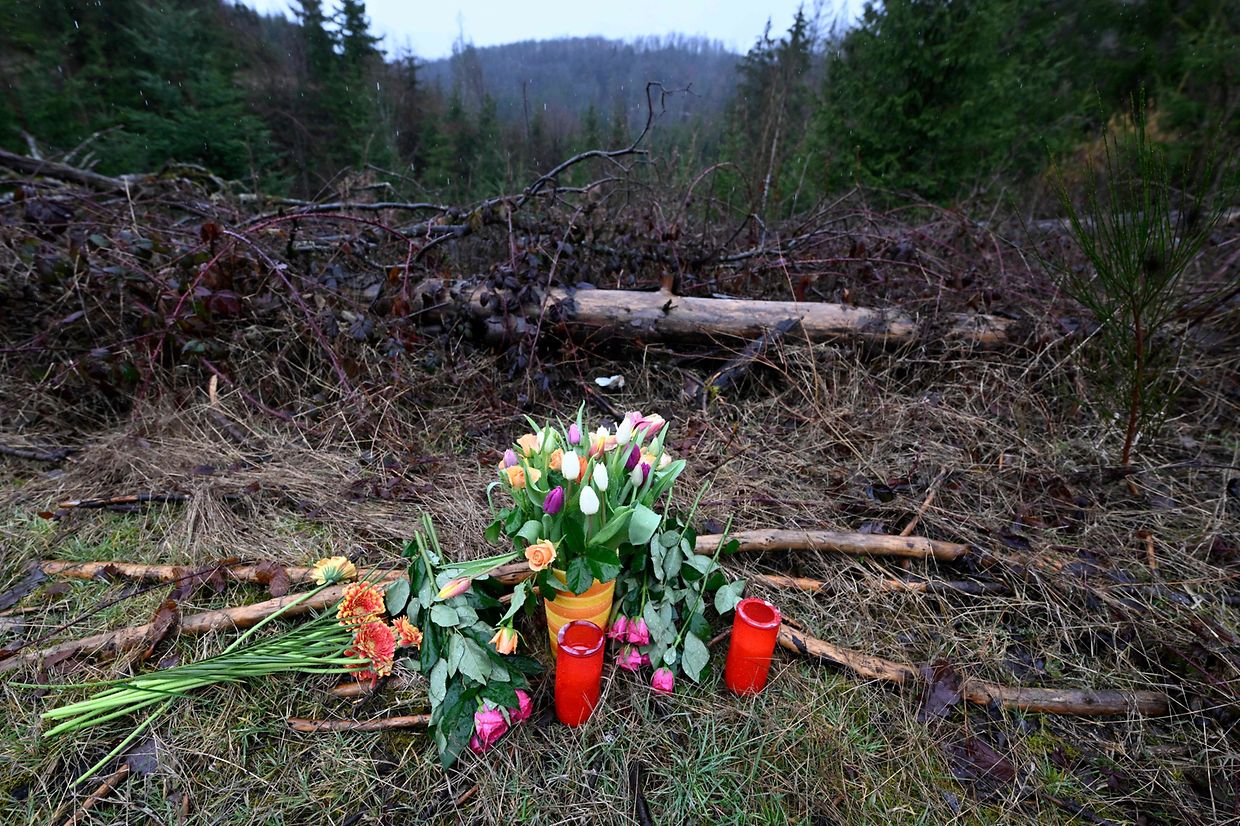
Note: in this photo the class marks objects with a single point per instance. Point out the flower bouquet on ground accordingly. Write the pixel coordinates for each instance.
(476, 689)
(589, 511)
(475, 682)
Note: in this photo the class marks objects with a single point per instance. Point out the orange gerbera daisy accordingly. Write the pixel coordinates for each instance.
(407, 632)
(361, 603)
(376, 642)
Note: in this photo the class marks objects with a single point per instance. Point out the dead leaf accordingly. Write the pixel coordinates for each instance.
(167, 618)
(144, 757)
(942, 690)
(273, 576)
(23, 587)
(974, 761)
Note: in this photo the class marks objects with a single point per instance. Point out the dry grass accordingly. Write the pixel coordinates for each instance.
(1013, 458)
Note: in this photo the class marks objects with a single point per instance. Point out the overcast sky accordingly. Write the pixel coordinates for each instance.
(430, 28)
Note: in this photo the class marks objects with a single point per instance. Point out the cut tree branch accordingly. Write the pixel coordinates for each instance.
(308, 726)
(1048, 700)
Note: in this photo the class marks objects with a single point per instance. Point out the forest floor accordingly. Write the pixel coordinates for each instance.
(1104, 578)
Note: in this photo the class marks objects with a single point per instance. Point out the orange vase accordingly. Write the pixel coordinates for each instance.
(593, 606)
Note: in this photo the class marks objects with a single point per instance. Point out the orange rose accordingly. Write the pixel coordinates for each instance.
(517, 476)
(505, 640)
(540, 554)
(555, 460)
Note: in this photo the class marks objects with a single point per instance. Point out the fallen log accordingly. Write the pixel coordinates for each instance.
(174, 573)
(109, 644)
(889, 584)
(1048, 700)
(858, 544)
(63, 172)
(662, 315)
(308, 726)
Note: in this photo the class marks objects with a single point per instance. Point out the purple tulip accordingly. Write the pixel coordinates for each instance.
(574, 434)
(635, 456)
(554, 500)
(510, 458)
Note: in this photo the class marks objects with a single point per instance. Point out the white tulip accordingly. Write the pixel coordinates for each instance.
(600, 476)
(589, 501)
(636, 476)
(624, 431)
(570, 465)
(664, 461)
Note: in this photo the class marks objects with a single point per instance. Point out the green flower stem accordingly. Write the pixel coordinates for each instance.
(133, 735)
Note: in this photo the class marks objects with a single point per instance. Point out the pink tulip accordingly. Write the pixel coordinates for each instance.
(619, 628)
(574, 434)
(489, 726)
(663, 681)
(525, 708)
(510, 458)
(639, 632)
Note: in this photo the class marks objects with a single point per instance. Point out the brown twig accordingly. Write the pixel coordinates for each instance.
(307, 726)
(1048, 700)
(101, 791)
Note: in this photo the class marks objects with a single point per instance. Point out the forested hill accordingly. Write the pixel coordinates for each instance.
(579, 74)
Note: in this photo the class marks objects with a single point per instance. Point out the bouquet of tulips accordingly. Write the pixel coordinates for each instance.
(579, 496)
(594, 505)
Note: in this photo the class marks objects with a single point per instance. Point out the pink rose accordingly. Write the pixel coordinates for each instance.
(663, 681)
(619, 628)
(525, 707)
(639, 632)
(489, 726)
(630, 659)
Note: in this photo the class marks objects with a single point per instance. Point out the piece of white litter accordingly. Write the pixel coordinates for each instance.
(610, 381)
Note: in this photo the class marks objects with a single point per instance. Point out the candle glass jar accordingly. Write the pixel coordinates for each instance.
(578, 671)
(754, 630)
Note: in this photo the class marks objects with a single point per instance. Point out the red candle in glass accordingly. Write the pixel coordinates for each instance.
(754, 629)
(578, 671)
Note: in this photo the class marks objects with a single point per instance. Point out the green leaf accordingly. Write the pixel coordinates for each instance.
(438, 683)
(518, 599)
(494, 531)
(604, 563)
(612, 530)
(396, 598)
(474, 661)
(672, 563)
(531, 531)
(658, 629)
(579, 576)
(669, 656)
(698, 624)
(727, 596)
(502, 694)
(456, 651)
(429, 653)
(695, 658)
(642, 524)
(444, 615)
